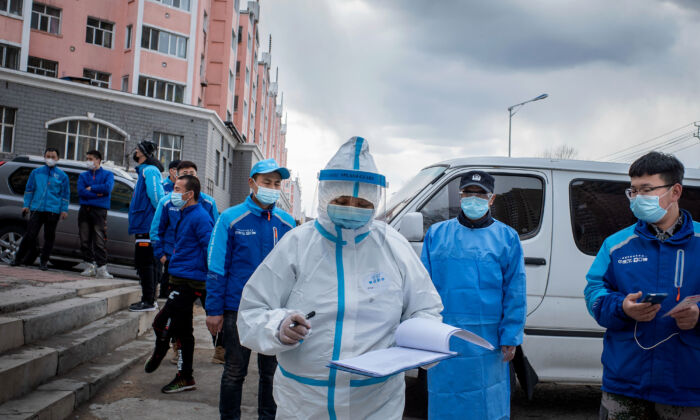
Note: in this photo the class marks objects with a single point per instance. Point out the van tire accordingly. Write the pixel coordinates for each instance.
(10, 237)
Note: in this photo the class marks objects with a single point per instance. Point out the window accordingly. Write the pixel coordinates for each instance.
(233, 39)
(205, 22)
(229, 117)
(216, 168)
(600, 208)
(247, 75)
(238, 68)
(202, 68)
(74, 138)
(13, 7)
(240, 28)
(210, 186)
(7, 128)
(235, 103)
(127, 41)
(519, 203)
(169, 147)
(9, 56)
(99, 32)
(97, 78)
(164, 42)
(121, 197)
(19, 178)
(43, 67)
(249, 43)
(223, 181)
(160, 89)
(125, 84)
(180, 4)
(45, 18)
(230, 81)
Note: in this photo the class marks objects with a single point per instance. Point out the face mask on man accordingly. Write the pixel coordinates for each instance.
(349, 217)
(647, 207)
(50, 162)
(267, 196)
(177, 200)
(91, 164)
(474, 207)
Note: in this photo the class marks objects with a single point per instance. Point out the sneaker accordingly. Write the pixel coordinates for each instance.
(219, 354)
(102, 273)
(89, 271)
(179, 384)
(143, 307)
(159, 353)
(176, 354)
(43, 265)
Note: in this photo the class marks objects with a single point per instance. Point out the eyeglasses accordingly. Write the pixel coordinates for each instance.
(485, 196)
(632, 192)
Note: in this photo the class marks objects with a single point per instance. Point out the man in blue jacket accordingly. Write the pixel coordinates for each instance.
(242, 238)
(46, 198)
(651, 362)
(147, 193)
(95, 192)
(169, 181)
(477, 266)
(188, 275)
(165, 219)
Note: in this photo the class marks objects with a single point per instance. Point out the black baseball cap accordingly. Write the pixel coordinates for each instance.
(478, 178)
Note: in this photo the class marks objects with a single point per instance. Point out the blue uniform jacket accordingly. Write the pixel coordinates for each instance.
(631, 260)
(101, 183)
(480, 276)
(192, 235)
(47, 189)
(164, 221)
(242, 238)
(168, 185)
(147, 194)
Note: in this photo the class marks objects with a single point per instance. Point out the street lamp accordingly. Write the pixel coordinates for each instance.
(512, 110)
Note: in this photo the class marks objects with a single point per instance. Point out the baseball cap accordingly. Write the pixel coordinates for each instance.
(478, 178)
(269, 165)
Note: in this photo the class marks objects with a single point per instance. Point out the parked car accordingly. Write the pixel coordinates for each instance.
(66, 251)
(562, 210)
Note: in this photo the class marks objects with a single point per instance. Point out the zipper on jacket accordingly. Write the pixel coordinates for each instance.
(274, 234)
(678, 278)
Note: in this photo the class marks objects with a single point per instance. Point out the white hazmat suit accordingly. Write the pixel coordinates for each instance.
(361, 283)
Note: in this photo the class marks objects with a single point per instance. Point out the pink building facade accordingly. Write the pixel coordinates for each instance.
(197, 52)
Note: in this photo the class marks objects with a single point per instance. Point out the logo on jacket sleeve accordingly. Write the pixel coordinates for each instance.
(632, 259)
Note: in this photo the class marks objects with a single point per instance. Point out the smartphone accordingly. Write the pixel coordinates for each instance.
(653, 298)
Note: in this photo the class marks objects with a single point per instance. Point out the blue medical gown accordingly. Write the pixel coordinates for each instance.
(480, 276)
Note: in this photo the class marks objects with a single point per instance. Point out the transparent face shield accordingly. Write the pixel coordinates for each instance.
(351, 200)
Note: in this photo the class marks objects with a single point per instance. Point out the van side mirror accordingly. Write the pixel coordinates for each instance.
(412, 227)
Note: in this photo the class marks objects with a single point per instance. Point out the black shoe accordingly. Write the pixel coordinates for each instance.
(43, 266)
(179, 384)
(159, 353)
(14, 263)
(143, 307)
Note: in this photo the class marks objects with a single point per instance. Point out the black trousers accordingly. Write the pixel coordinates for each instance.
(145, 267)
(92, 225)
(175, 321)
(37, 219)
(164, 277)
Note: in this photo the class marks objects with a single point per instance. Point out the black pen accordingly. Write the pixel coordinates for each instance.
(308, 316)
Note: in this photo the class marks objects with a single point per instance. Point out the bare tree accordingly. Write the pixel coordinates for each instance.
(560, 152)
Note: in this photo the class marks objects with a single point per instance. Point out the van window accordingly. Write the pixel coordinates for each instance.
(519, 203)
(415, 185)
(600, 208)
(18, 179)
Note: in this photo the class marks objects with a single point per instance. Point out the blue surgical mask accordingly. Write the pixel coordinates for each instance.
(474, 207)
(349, 217)
(176, 199)
(647, 208)
(267, 196)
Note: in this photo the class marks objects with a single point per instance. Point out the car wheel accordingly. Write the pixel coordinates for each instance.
(10, 237)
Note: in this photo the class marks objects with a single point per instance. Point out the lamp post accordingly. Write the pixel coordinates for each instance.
(512, 110)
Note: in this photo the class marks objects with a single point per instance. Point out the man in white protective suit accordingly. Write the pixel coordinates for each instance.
(359, 276)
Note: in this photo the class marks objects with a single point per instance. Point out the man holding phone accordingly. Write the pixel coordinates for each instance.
(650, 361)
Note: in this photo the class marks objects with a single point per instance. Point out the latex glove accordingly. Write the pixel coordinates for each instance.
(640, 312)
(291, 335)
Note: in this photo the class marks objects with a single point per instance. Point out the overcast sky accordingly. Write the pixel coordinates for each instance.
(425, 81)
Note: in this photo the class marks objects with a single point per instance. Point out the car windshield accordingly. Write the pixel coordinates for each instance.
(415, 185)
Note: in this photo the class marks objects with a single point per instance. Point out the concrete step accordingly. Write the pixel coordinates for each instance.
(23, 369)
(13, 299)
(40, 322)
(58, 398)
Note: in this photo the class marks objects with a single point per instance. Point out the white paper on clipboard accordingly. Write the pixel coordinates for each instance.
(685, 303)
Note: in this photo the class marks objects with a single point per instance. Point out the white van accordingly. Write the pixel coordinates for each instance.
(562, 210)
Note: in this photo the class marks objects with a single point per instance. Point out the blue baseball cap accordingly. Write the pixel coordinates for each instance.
(269, 165)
